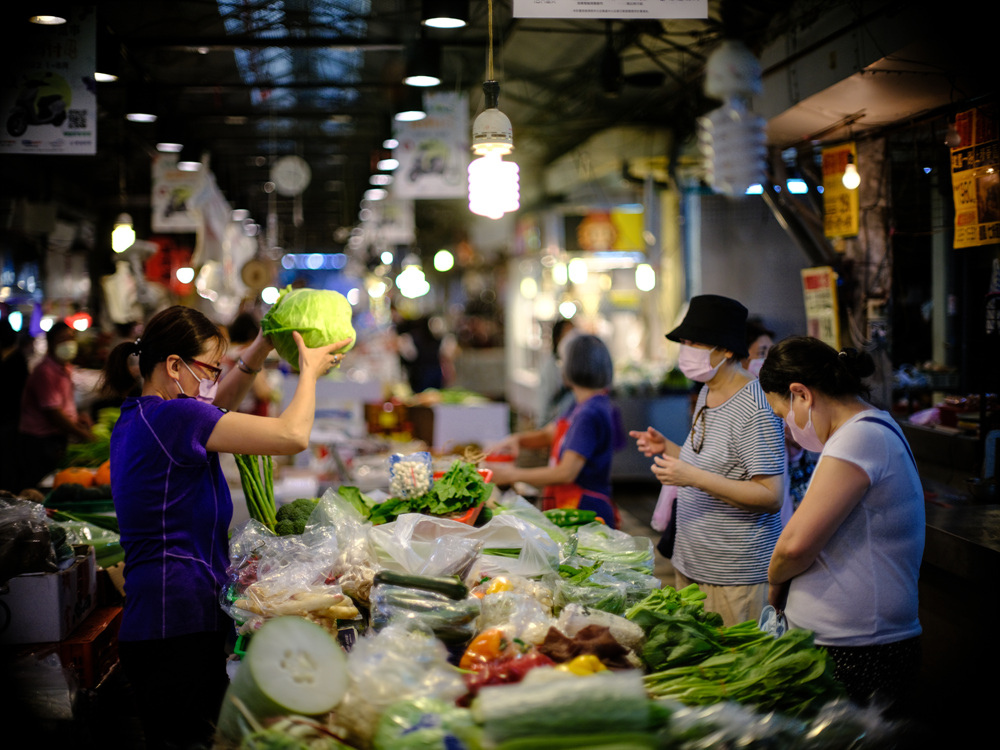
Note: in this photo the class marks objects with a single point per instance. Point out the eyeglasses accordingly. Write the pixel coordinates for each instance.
(213, 371)
(698, 442)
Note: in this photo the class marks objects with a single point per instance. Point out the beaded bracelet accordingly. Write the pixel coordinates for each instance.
(244, 367)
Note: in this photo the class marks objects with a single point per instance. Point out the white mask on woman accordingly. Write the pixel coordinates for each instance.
(804, 436)
(66, 351)
(754, 365)
(696, 363)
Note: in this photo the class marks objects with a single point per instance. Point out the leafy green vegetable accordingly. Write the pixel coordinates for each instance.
(787, 674)
(460, 488)
(322, 316)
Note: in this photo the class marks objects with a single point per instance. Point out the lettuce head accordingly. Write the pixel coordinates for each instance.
(322, 316)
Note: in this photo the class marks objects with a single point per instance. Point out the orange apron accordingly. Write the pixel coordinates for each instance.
(569, 495)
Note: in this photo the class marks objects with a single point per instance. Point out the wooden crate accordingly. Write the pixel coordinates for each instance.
(92, 648)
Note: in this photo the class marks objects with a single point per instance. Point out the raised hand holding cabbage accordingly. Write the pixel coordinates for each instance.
(321, 316)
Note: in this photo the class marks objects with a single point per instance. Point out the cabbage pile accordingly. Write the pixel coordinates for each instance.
(322, 316)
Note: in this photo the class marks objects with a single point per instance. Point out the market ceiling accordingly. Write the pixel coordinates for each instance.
(251, 81)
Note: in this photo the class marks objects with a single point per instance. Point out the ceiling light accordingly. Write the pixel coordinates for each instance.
(390, 143)
(140, 106)
(376, 194)
(423, 63)
(169, 139)
(190, 158)
(109, 57)
(411, 108)
(796, 185)
(445, 14)
(48, 12)
(851, 178)
(494, 185)
(387, 165)
(123, 234)
(380, 180)
(645, 277)
(443, 261)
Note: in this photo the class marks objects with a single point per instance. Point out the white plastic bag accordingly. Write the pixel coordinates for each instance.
(664, 508)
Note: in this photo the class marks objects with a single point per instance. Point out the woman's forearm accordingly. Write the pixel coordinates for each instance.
(763, 494)
(237, 383)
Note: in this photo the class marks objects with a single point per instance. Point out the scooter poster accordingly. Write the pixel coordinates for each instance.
(433, 153)
(48, 97)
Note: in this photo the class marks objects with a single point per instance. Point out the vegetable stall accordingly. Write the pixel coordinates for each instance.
(404, 621)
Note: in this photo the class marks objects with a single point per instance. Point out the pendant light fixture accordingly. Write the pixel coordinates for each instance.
(423, 63)
(494, 185)
(123, 234)
(411, 106)
(851, 178)
(444, 14)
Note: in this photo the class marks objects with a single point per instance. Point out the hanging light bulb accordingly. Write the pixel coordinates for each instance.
(851, 178)
(123, 235)
(494, 185)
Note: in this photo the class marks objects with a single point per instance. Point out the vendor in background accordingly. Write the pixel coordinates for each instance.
(49, 417)
(558, 394)
(242, 332)
(582, 441)
(729, 472)
(174, 508)
(846, 565)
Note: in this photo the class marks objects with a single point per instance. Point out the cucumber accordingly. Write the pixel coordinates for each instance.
(450, 586)
(292, 666)
(575, 706)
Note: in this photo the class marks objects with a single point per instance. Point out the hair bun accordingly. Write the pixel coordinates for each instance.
(858, 362)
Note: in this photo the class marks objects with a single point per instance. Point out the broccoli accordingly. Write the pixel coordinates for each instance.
(291, 517)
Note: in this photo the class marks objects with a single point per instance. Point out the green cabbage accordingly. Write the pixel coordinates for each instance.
(322, 317)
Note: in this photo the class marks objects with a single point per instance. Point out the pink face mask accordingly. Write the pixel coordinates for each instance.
(804, 436)
(754, 365)
(206, 388)
(696, 363)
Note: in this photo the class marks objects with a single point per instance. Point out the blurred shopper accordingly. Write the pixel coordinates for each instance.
(242, 332)
(557, 392)
(729, 472)
(582, 441)
(760, 339)
(420, 352)
(49, 417)
(846, 565)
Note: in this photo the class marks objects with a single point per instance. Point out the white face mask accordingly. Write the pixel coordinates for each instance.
(804, 436)
(66, 351)
(696, 363)
(754, 365)
(206, 387)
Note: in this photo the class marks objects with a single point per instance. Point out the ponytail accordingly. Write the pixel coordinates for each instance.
(117, 378)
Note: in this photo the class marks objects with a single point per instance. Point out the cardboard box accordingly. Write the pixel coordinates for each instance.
(92, 649)
(48, 606)
(446, 427)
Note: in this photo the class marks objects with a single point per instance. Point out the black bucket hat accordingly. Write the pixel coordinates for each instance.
(714, 320)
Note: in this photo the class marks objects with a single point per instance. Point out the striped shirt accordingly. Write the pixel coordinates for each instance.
(718, 543)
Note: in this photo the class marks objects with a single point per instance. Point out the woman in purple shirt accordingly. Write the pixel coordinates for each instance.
(174, 508)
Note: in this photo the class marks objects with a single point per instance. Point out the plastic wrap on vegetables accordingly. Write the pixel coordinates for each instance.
(596, 541)
(426, 724)
(402, 661)
(452, 619)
